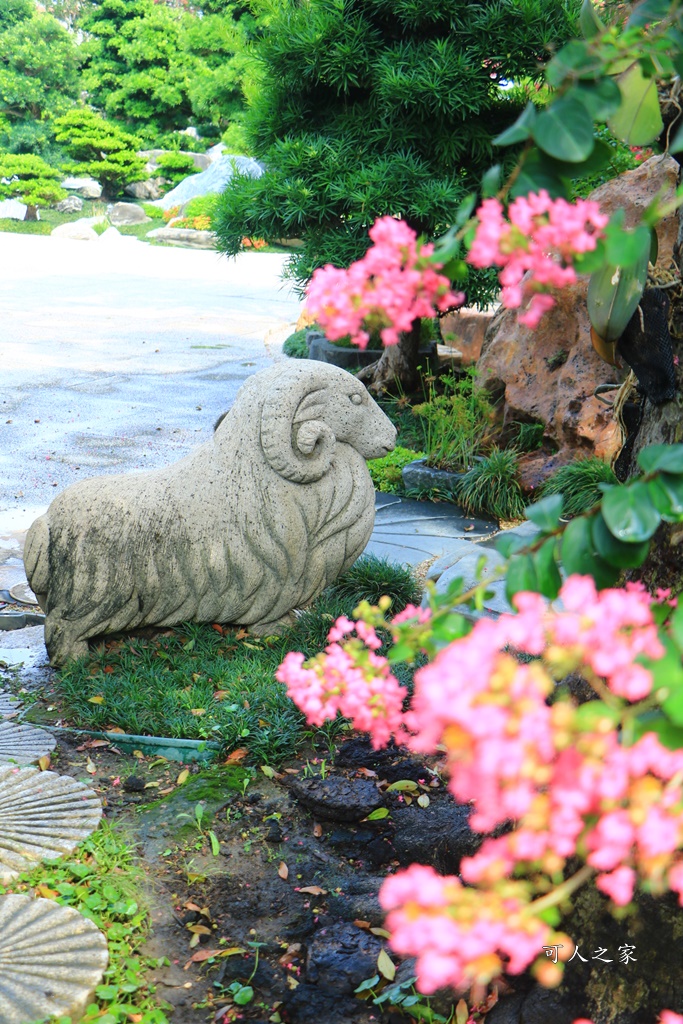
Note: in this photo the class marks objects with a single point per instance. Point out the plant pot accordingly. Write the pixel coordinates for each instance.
(161, 746)
(352, 358)
(419, 475)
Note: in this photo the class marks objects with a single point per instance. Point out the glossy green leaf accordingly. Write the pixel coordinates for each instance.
(521, 575)
(520, 131)
(614, 293)
(630, 513)
(648, 11)
(378, 814)
(638, 121)
(508, 545)
(573, 60)
(666, 494)
(625, 248)
(589, 21)
(616, 552)
(565, 130)
(676, 626)
(548, 576)
(546, 513)
(539, 171)
(589, 262)
(601, 99)
(665, 457)
(491, 181)
(579, 554)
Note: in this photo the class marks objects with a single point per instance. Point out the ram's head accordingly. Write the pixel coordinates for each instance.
(308, 410)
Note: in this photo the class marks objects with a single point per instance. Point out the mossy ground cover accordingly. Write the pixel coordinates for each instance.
(208, 682)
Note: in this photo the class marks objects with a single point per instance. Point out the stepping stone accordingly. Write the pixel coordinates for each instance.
(42, 816)
(9, 706)
(23, 744)
(410, 532)
(51, 960)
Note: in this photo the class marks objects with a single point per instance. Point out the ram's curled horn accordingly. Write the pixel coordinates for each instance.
(296, 441)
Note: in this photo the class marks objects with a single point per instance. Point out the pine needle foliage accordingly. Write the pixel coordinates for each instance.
(579, 484)
(361, 108)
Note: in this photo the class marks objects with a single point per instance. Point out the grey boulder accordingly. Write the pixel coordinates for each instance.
(213, 179)
(72, 204)
(87, 188)
(122, 214)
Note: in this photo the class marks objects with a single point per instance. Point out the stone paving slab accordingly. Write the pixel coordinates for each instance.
(410, 532)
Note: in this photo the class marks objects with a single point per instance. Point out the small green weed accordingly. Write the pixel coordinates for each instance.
(579, 484)
(491, 487)
(202, 682)
(402, 996)
(527, 437)
(456, 423)
(102, 881)
(386, 472)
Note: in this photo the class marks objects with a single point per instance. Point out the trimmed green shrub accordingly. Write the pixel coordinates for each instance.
(295, 345)
(386, 472)
(174, 168)
(579, 484)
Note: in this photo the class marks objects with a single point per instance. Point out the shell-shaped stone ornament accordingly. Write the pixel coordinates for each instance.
(42, 816)
(23, 744)
(51, 960)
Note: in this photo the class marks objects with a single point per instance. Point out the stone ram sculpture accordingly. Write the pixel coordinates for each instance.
(252, 525)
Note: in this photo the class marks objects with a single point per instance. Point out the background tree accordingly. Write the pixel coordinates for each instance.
(30, 180)
(101, 148)
(373, 107)
(136, 68)
(38, 77)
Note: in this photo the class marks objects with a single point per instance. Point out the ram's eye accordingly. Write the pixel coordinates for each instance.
(356, 399)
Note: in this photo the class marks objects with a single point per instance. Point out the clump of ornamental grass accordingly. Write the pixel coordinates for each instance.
(579, 484)
(491, 487)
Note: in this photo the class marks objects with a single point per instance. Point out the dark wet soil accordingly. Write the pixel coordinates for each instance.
(272, 883)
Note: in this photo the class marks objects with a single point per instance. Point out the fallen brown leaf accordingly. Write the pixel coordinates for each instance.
(220, 694)
(219, 629)
(367, 772)
(236, 756)
(99, 699)
(317, 830)
(47, 894)
(283, 870)
(313, 890)
(197, 712)
(90, 767)
(44, 762)
(362, 924)
(292, 771)
(183, 777)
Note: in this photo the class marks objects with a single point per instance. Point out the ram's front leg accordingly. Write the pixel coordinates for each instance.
(63, 640)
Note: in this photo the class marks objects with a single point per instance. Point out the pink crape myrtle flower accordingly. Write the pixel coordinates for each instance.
(394, 284)
(535, 247)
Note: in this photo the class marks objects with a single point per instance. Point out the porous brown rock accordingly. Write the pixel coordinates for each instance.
(549, 374)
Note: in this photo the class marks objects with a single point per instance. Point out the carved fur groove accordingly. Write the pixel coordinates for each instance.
(251, 525)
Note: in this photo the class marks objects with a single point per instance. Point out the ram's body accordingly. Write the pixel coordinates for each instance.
(253, 524)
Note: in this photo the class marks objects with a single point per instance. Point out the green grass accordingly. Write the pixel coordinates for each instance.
(198, 683)
(102, 880)
(579, 484)
(491, 487)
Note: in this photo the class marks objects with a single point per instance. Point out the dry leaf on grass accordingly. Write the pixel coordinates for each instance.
(236, 756)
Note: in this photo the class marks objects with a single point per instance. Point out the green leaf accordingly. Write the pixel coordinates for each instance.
(676, 626)
(366, 985)
(616, 552)
(490, 183)
(539, 171)
(378, 814)
(402, 786)
(590, 714)
(546, 513)
(449, 627)
(573, 60)
(630, 513)
(547, 573)
(666, 494)
(386, 966)
(676, 144)
(614, 293)
(670, 735)
(579, 554)
(565, 130)
(648, 11)
(508, 545)
(589, 262)
(520, 131)
(551, 916)
(667, 678)
(601, 99)
(625, 248)
(215, 845)
(244, 995)
(665, 457)
(521, 575)
(589, 22)
(638, 121)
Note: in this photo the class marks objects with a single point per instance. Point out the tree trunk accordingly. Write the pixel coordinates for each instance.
(396, 369)
(663, 424)
(31, 213)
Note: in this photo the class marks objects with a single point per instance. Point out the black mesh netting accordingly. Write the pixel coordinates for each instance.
(646, 346)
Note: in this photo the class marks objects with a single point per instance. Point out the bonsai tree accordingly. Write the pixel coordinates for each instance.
(30, 180)
(378, 107)
(174, 168)
(101, 149)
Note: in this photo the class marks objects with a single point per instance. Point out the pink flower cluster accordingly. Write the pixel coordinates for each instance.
(394, 284)
(665, 1017)
(461, 936)
(352, 680)
(535, 246)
